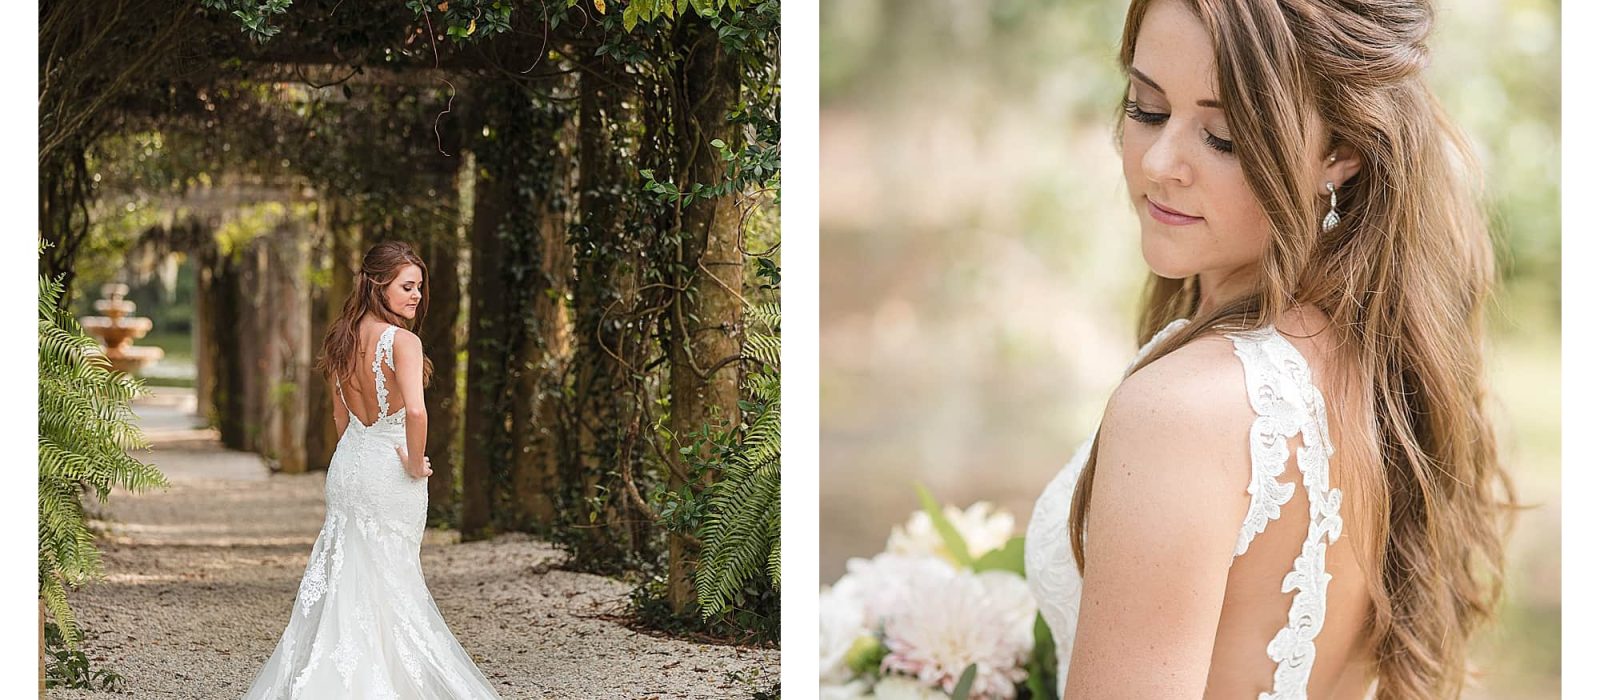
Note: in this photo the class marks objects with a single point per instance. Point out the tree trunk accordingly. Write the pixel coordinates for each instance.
(204, 258)
(286, 346)
(248, 332)
(219, 286)
(441, 337)
(542, 264)
(607, 267)
(543, 357)
(322, 298)
(486, 336)
(707, 320)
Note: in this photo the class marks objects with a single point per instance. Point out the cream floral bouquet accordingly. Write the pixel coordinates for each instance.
(943, 612)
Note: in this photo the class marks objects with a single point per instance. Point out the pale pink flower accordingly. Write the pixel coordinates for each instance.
(944, 624)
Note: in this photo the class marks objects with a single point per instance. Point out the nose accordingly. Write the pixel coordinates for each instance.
(1166, 160)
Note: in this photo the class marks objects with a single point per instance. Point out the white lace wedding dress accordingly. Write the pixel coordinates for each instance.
(1286, 403)
(363, 624)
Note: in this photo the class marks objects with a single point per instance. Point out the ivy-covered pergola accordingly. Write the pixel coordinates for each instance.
(594, 186)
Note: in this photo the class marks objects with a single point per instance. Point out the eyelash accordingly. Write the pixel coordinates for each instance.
(1132, 109)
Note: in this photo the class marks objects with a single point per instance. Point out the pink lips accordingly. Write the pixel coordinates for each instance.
(1169, 217)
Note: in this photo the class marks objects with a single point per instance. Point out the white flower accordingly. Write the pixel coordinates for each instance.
(944, 624)
(843, 622)
(880, 585)
(982, 526)
(854, 690)
(855, 605)
(902, 688)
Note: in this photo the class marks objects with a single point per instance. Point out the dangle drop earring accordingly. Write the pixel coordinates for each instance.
(1332, 219)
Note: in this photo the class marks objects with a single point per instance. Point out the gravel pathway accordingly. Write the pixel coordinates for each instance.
(201, 577)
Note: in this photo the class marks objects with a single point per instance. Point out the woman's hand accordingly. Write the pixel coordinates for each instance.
(421, 471)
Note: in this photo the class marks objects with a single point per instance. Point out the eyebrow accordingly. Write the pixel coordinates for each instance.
(1141, 76)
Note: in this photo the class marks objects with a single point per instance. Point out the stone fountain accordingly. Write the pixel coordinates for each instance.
(117, 330)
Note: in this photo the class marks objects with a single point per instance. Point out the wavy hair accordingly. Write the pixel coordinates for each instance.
(1404, 278)
(379, 267)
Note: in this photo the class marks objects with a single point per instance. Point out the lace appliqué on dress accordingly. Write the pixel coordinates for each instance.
(1288, 403)
(385, 352)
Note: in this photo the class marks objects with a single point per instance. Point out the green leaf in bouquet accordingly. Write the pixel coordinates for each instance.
(953, 540)
(1042, 663)
(964, 686)
(865, 655)
(1007, 558)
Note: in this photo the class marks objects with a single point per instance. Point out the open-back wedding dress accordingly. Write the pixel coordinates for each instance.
(363, 624)
(1286, 404)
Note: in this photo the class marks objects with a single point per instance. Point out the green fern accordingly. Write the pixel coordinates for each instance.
(742, 528)
(85, 429)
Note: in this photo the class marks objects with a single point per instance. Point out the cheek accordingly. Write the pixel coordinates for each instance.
(1134, 145)
(1242, 223)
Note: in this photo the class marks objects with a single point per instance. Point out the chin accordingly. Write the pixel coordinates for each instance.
(1165, 259)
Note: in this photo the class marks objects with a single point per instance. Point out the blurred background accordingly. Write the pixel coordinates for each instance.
(981, 270)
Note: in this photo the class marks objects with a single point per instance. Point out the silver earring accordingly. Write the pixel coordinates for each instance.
(1332, 219)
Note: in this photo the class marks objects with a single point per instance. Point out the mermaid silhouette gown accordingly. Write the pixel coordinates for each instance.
(363, 624)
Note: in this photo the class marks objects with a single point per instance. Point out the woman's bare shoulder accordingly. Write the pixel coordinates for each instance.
(1169, 496)
(407, 342)
(1178, 426)
(1201, 382)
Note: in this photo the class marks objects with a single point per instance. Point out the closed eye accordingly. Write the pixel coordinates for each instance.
(1132, 109)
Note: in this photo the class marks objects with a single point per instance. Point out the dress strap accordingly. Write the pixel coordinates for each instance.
(384, 352)
(338, 385)
(1166, 332)
(1287, 403)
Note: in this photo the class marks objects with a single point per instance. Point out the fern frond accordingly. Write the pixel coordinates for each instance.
(764, 440)
(766, 348)
(741, 532)
(763, 386)
(86, 427)
(55, 600)
(768, 314)
(775, 557)
(738, 537)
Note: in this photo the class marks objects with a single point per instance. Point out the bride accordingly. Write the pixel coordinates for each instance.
(1295, 491)
(363, 624)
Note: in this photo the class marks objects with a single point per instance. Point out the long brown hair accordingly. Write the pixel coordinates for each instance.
(379, 267)
(1404, 277)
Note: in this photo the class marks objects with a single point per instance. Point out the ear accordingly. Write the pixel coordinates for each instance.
(1338, 166)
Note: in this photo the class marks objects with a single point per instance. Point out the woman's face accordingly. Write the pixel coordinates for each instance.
(1175, 156)
(403, 293)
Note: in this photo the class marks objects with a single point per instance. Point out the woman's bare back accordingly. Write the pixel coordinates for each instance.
(1255, 606)
(360, 390)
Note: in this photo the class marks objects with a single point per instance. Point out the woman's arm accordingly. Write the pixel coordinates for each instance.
(408, 374)
(1167, 503)
(341, 414)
